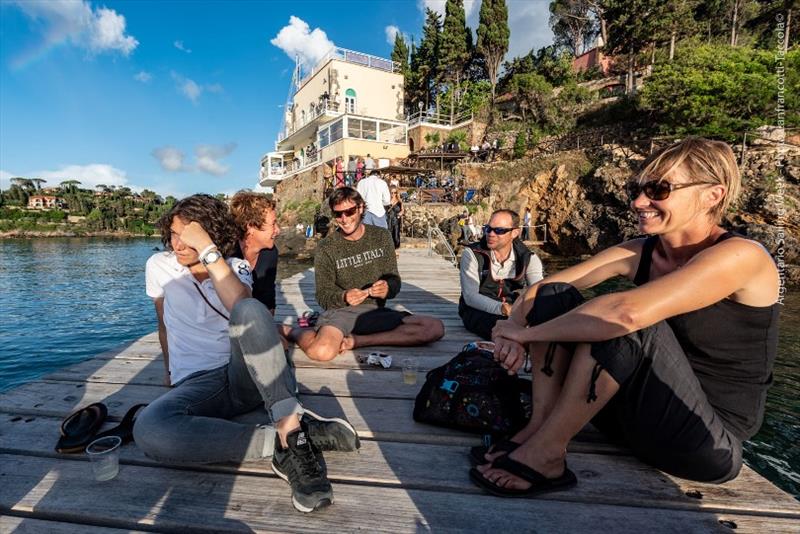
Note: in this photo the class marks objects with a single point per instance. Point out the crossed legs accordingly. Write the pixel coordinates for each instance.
(328, 342)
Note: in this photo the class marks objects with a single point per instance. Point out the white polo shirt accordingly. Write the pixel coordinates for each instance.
(375, 193)
(197, 336)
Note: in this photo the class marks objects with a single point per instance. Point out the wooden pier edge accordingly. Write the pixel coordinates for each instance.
(407, 477)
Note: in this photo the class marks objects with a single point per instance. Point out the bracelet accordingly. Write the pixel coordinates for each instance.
(206, 250)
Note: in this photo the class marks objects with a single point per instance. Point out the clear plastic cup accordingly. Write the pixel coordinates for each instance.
(104, 456)
(410, 368)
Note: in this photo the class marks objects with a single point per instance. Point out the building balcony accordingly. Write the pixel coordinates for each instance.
(306, 124)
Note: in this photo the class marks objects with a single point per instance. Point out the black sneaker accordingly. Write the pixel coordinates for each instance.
(330, 433)
(300, 466)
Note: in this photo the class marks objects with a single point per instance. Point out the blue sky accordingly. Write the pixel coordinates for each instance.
(179, 97)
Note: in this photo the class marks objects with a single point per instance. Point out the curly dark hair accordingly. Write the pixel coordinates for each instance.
(212, 214)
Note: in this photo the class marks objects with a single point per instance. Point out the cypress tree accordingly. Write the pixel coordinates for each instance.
(454, 47)
(400, 55)
(428, 55)
(493, 34)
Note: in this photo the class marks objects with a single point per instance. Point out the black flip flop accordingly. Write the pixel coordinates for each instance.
(124, 430)
(78, 429)
(478, 452)
(539, 483)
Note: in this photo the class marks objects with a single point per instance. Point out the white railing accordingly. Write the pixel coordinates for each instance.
(436, 237)
(439, 119)
(324, 107)
(351, 56)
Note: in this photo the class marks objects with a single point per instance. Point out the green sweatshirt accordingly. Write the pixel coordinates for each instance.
(340, 265)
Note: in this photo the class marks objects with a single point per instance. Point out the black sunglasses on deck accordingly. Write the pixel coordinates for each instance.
(656, 189)
(349, 212)
(496, 231)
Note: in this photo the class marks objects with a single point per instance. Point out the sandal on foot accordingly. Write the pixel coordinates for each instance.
(124, 430)
(477, 454)
(538, 482)
(80, 427)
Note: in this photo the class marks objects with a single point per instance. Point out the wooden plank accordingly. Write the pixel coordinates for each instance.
(27, 525)
(188, 500)
(385, 419)
(602, 479)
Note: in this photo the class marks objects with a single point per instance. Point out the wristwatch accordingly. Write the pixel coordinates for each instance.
(210, 256)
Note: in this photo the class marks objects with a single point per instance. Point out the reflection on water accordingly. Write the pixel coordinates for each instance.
(66, 300)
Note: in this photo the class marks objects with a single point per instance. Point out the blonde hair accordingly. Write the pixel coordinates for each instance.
(248, 209)
(703, 160)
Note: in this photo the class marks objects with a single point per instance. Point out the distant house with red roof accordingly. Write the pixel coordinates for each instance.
(44, 202)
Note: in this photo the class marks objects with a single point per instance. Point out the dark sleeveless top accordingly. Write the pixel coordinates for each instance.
(731, 348)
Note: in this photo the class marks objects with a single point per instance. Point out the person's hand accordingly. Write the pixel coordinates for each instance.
(379, 289)
(195, 236)
(509, 354)
(510, 330)
(505, 309)
(355, 296)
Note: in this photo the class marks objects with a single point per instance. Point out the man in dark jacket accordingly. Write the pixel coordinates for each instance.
(494, 271)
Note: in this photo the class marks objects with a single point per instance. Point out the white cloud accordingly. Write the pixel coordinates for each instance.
(297, 39)
(208, 157)
(170, 158)
(179, 45)
(96, 30)
(391, 33)
(215, 88)
(88, 175)
(143, 76)
(188, 87)
(5, 179)
(528, 21)
(471, 7)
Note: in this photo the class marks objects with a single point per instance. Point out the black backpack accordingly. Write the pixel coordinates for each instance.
(472, 392)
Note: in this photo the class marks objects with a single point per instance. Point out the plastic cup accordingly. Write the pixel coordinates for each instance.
(104, 456)
(410, 368)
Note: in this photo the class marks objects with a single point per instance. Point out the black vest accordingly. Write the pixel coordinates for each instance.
(507, 288)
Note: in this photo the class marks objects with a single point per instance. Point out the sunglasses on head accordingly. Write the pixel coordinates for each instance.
(349, 212)
(655, 189)
(496, 230)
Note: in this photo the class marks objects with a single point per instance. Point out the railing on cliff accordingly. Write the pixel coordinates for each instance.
(437, 239)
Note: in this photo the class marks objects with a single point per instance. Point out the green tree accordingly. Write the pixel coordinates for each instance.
(454, 52)
(632, 25)
(493, 35)
(427, 58)
(533, 95)
(572, 24)
(714, 90)
(400, 55)
(519, 145)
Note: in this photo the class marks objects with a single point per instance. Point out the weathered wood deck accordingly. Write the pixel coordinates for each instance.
(407, 477)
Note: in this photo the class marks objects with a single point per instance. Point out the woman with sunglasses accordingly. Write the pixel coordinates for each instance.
(676, 368)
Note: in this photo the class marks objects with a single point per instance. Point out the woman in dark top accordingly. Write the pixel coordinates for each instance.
(677, 368)
(395, 216)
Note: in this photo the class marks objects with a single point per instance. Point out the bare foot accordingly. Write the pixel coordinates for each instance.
(348, 343)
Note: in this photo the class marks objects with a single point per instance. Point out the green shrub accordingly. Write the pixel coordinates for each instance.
(519, 145)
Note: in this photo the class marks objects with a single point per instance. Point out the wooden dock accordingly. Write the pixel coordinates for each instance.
(407, 477)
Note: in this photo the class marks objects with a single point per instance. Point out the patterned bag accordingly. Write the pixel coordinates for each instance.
(472, 392)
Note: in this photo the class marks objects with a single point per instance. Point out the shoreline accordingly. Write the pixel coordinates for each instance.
(36, 234)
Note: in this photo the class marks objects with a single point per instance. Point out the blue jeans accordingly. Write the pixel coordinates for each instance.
(191, 422)
(374, 220)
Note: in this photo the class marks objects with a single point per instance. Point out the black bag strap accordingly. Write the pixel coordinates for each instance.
(209, 304)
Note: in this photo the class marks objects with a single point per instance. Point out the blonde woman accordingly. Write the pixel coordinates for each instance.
(676, 369)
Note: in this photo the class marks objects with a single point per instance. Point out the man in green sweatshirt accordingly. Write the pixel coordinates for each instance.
(356, 273)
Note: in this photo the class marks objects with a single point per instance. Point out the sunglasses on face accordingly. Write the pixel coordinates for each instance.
(655, 189)
(349, 212)
(496, 231)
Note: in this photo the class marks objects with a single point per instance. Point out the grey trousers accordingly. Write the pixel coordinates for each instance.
(191, 422)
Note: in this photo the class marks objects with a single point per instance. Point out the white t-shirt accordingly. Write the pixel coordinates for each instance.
(197, 336)
(375, 193)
